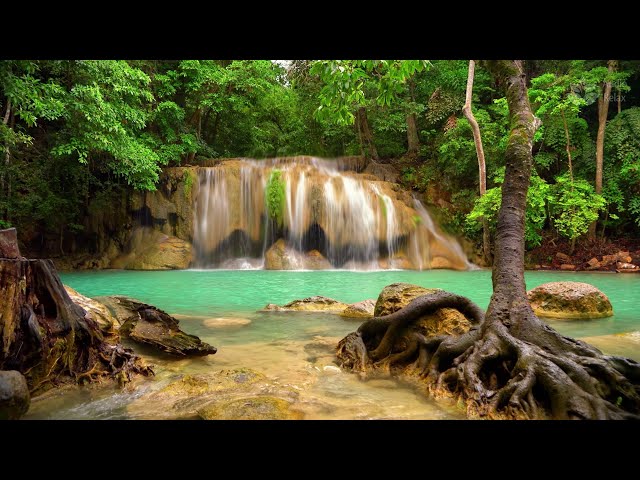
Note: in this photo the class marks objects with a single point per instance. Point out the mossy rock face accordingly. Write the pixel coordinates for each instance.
(150, 249)
(443, 321)
(569, 300)
(254, 408)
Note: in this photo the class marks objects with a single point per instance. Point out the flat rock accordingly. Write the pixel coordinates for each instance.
(146, 324)
(14, 395)
(310, 304)
(569, 300)
(363, 309)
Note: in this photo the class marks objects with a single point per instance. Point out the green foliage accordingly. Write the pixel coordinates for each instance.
(275, 196)
(106, 110)
(79, 133)
(574, 206)
(346, 83)
(488, 206)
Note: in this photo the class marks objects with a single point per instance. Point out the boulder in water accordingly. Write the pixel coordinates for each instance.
(569, 300)
(443, 321)
(363, 309)
(310, 304)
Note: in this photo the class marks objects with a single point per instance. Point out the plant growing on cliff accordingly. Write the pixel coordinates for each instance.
(188, 182)
(275, 196)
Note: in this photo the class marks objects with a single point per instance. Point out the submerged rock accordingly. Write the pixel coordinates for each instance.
(622, 344)
(363, 309)
(237, 394)
(225, 322)
(444, 320)
(144, 323)
(316, 303)
(14, 395)
(569, 300)
(253, 408)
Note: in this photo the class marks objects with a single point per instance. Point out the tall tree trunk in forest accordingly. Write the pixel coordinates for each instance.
(413, 141)
(510, 364)
(568, 146)
(603, 112)
(365, 136)
(214, 130)
(482, 168)
(4, 178)
(197, 116)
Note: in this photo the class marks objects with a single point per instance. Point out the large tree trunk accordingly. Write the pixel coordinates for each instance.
(413, 141)
(603, 112)
(367, 145)
(511, 365)
(47, 337)
(482, 168)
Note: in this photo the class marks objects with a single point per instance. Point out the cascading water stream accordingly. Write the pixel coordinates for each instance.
(332, 217)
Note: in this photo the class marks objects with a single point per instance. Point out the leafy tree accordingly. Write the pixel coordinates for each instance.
(574, 205)
(350, 84)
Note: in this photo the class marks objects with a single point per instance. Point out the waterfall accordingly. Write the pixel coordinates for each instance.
(334, 217)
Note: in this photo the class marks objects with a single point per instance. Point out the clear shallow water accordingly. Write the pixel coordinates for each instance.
(295, 348)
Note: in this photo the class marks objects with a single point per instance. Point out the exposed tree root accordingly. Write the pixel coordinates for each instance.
(49, 338)
(526, 372)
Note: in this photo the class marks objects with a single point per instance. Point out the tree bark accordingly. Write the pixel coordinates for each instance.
(568, 146)
(413, 141)
(509, 364)
(482, 168)
(603, 112)
(4, 178)
(367, 144)
(45, 335)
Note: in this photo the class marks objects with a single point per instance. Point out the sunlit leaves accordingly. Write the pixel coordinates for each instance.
(348, 84)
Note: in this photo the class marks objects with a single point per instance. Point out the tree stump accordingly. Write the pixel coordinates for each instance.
(44, 335)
